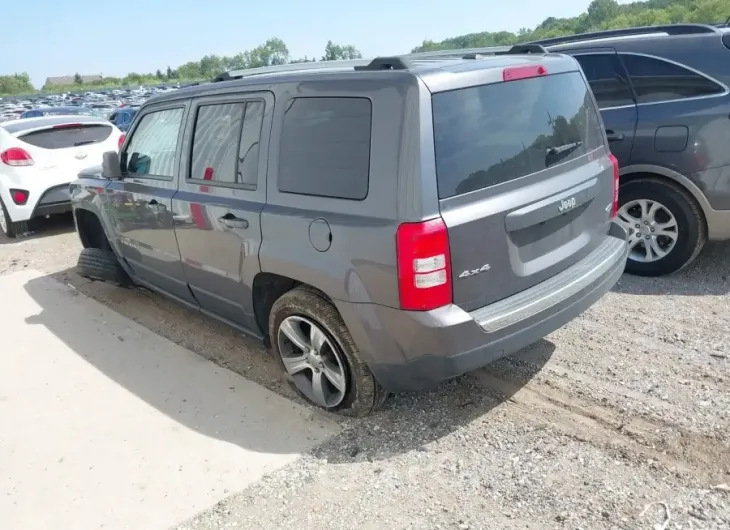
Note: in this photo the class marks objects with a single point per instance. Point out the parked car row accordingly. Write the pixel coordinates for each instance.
(101, 103)
(387, 224)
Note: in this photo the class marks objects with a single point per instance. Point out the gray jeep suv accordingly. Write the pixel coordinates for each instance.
(383, 225)
(663, 93)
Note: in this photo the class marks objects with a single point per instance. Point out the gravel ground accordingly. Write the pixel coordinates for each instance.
(618, 420)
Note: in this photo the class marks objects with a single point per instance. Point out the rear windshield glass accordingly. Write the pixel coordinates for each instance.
(62, 136)
(489, 134)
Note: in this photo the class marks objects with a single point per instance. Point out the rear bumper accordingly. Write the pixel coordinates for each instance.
(41, 201)
(409, 350)
(54, 200)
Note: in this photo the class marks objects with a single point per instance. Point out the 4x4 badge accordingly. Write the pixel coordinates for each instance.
(566, 205)
(474, 272)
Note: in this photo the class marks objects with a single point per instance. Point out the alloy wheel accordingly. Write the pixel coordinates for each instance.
(652, 229)
(313, 361)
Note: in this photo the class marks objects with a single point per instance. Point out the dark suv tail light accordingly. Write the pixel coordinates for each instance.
(614, 162)
(424, 265)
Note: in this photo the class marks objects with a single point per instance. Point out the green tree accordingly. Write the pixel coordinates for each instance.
(78, 79)
(270, 53)
(159, 75)
(334, 52)
(15, 84)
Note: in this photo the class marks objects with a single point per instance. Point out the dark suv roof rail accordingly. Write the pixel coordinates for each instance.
(669, 29)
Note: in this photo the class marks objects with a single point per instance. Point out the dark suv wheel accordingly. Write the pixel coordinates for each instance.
(315, 349)
(666, 226)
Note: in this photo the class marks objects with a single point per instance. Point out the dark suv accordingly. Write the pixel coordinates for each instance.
(663, 93)
(384, 225)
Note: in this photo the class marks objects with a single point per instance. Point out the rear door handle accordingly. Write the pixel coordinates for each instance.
(231, 221)
(614, 136)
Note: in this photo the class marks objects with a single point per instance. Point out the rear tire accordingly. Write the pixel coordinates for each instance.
(101, 265)
(361, 394)
(674, 207)
(10, 228)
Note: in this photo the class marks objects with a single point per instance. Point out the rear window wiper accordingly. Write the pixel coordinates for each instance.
(554, 154)
(85, 142)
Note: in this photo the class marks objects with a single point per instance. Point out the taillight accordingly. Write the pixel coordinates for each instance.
(120, 142)
(523, 72)
(614, 163)
(424, 265)
(15, 156)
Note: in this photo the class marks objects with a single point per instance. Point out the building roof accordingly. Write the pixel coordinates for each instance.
(69, 79)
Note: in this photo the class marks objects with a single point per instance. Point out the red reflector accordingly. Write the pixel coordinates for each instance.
(523, 72)
(614, 163)
(68, 125)
(15, 156)
(208, 173)
(424, 265)
(120, 142)
(20, 197)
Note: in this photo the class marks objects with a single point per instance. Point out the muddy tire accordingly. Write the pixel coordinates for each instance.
(101, 265)
(326, 358)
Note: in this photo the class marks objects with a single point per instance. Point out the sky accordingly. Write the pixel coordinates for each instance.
(115, 38)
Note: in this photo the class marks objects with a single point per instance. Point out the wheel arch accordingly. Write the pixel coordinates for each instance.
(630, 173)
(90, 230)
(267, 288)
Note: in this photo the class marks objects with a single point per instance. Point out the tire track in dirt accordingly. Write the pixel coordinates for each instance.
(631, 437)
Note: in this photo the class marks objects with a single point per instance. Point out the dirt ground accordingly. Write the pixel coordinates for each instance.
(619, 420)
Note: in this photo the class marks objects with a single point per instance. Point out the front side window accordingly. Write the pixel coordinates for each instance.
(325, 147)
(607, 79)
(152, 148)
(656, 80)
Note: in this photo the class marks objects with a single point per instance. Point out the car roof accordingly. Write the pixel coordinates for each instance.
(432, 67)
(16, 126)
(629, 36)
(59, 108)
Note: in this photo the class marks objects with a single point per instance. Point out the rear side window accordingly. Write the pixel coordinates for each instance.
(607, 79)
(325, 147)
(152, 148)
(64, 136)
(226, 143)
(657, 80)
(490, 134)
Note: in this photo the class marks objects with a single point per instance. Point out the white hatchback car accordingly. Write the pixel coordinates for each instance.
(39, 157)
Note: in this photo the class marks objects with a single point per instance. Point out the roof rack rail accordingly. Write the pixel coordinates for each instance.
(387, 63)
(398, 62)
(290, 67)
(670, 29)
(473, 53)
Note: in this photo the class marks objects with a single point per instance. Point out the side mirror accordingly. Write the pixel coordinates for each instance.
(111, 168)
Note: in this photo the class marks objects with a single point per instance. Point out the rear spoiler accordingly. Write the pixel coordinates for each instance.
(49, 126)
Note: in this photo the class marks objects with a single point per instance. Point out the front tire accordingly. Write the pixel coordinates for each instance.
(10, 228)
(316, 351)
(101, 265)
(666, 226)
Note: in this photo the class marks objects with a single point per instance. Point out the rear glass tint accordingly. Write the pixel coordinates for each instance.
(490, 134)
(61, 137)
